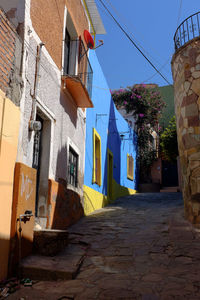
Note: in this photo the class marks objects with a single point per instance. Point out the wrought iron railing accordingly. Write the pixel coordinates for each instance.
(187, 30)
(77, 63)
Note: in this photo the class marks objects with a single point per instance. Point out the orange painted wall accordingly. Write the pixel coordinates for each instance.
(9, 130)
(64, 206)
(48, 20)
(23, 199)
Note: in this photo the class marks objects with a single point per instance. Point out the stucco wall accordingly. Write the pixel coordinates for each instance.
(48, 20)
(109, 123)
(186, 74)
(24, 191)
(66, 121)
(9, 127)
(64, 206)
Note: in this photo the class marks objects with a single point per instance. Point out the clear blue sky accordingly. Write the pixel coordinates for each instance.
(152, 25)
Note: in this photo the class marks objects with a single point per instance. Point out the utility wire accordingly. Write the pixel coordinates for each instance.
(136, 41)
(131, 40)
(131, 34)
(153, 75)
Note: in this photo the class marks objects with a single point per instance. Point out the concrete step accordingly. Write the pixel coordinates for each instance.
(172, 189)
(49, 241)
(64, 265)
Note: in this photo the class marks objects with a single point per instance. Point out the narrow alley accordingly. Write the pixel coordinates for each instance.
(140, 247)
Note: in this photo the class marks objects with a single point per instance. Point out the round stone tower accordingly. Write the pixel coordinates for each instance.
(186, 75)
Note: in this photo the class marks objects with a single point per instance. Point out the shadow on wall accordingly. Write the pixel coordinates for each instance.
(69, 106)
(18, 250)
(114, 145)
(23, 202)
(4, 246)
(64, 205)
(121, 191)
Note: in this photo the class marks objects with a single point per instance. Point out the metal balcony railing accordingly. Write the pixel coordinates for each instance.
(77, 63)
(187, 30)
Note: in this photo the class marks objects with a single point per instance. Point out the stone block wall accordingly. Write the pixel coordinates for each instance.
(186, 75)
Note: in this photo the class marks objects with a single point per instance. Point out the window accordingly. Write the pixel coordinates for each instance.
(73, 167)
(67, 52)
(77, 72)
(96, 158)
(130, 167)
(70, 48)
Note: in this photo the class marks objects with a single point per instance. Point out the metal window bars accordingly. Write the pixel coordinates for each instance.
(77, 63)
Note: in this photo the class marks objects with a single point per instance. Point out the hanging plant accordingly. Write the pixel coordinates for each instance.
(146, 105)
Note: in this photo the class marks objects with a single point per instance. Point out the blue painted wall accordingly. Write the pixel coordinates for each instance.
(109, 123)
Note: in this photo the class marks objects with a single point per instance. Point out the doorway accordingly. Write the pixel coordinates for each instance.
(41, 160)
(37, 149)
(169, 174)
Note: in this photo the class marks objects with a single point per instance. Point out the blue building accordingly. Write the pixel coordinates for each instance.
(111, 146)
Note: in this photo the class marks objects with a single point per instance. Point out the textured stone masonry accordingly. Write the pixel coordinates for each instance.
(186, 74)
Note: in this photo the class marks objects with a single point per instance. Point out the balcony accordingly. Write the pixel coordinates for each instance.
(187, 30)
(77, 74)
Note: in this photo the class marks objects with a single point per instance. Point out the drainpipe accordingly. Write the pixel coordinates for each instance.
(37, 69)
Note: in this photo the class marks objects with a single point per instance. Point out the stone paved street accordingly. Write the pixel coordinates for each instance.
(138, 248)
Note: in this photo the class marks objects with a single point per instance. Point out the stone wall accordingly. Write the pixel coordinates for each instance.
(186, 75)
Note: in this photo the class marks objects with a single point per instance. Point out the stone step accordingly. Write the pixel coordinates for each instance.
(49, 241)
(172, 189)
(64, 265)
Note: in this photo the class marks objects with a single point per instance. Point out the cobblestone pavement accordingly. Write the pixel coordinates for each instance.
(138, 248)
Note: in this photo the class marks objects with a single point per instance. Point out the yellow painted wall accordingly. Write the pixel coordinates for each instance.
(94, 200)
(9, 128)
(120, 191)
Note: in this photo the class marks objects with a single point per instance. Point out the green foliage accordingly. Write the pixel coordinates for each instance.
(168, 141)
(146, 105)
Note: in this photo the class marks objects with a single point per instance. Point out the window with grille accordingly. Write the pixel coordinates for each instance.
(73, 167)
(130, 167)
(96, 158)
